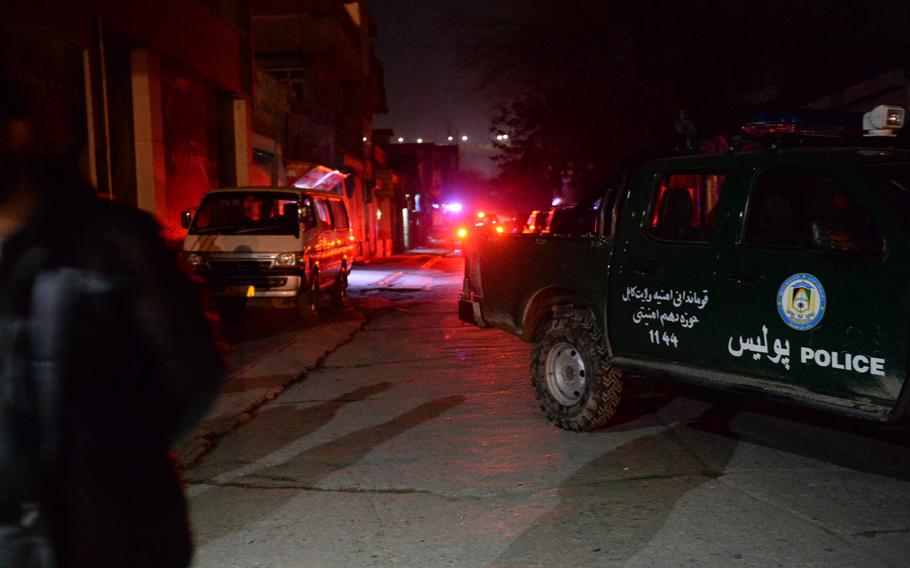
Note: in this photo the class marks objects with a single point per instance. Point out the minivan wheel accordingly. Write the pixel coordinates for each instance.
(308, 300)
(340, 288)
(574, 380)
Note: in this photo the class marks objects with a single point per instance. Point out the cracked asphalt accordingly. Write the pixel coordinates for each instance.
(418, 442)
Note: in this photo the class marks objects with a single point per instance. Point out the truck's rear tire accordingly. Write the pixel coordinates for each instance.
(577, 386)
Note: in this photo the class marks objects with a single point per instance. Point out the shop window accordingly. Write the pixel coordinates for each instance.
(265, 168)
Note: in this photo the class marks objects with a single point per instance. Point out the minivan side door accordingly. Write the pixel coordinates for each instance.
(341, 222)
(321, 240)
(813, 304)
(326, 247)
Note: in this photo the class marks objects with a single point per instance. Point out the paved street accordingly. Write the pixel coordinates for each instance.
(417, 442)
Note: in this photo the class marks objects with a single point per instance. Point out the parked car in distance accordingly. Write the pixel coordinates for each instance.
(537, 221)
(573, 218)
(253, 244)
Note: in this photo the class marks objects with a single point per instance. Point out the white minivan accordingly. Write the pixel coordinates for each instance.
(268, 243)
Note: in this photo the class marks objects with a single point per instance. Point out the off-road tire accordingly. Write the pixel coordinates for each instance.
(603, 382)
(308, 300)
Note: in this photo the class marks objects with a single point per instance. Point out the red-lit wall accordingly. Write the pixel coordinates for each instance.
(190, 115)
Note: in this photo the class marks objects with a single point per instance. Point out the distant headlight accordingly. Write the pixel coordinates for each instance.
(286, 259)
(194, 259)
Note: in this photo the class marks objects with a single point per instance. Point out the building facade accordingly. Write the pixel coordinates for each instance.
(153, 99)
(321, 52)
(161, 102)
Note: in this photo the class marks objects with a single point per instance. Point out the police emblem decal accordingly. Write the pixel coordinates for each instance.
(801, 301)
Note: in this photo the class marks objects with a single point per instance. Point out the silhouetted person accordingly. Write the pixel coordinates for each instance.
(106, 358)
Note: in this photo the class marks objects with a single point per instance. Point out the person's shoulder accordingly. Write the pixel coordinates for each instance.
(123, 219)
(127, 231)
(111, 238)
(72, 212)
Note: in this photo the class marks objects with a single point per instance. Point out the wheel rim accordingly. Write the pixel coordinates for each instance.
(314, 295)
(567, 375)
(343, 286)
(308, 301)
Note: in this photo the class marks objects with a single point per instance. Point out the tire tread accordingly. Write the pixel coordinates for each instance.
(599, 404)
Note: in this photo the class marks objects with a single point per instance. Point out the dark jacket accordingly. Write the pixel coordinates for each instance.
(135, 367)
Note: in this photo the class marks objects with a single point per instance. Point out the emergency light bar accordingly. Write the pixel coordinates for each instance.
(804, 122)
(883, 120)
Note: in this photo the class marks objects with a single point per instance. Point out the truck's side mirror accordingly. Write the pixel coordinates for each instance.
(186, 217)
(859, 248)
(849, 245)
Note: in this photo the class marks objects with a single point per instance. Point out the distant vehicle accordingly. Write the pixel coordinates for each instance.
(264, 243)
(484, 224)
(441, 236)
(573, 218)
(537, 221)
(782, 271)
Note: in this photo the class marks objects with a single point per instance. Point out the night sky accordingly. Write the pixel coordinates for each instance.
(430, 95)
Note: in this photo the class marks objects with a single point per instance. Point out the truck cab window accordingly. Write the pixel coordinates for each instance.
(683, 207)
(806, 208)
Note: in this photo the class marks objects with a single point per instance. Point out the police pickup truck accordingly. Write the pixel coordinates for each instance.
(782, 271)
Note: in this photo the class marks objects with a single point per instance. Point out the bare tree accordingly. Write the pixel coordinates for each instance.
(582, 84)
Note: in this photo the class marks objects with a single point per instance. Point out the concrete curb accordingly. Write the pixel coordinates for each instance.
(265, 379)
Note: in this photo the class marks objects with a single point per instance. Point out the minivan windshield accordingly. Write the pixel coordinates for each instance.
(893, 183)
(247, 213)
